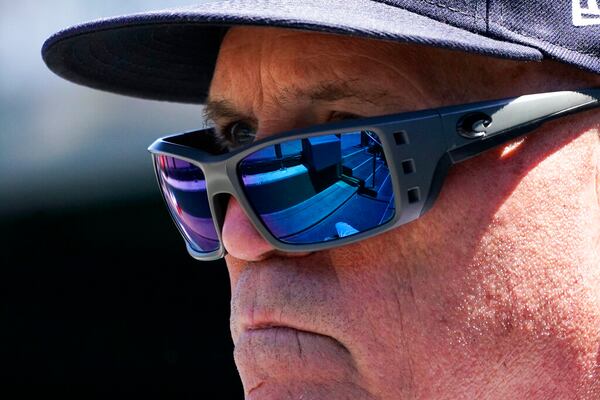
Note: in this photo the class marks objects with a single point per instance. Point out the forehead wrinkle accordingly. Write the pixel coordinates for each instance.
(326, 91)
(335, 90)
(397, 59)
(412, 81)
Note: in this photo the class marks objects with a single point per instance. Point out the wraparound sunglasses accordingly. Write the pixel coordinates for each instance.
(334, 184)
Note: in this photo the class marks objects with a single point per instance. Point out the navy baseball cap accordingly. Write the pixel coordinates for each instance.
(170, 54)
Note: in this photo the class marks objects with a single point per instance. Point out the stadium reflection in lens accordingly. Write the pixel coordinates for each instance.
(184, 188)
(320, 188)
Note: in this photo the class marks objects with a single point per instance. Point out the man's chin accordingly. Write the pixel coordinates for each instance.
(275, 358)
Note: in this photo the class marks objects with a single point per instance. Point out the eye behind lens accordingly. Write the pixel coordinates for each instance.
(238, 134)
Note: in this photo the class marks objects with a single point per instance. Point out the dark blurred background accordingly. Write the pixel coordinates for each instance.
(98, 293)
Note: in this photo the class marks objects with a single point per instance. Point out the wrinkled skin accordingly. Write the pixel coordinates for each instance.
(493, 294)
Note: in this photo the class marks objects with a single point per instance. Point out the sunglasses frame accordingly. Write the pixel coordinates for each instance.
(433, 139)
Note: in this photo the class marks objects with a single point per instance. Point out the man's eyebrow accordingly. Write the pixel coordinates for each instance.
(328, 91)
(215, 110)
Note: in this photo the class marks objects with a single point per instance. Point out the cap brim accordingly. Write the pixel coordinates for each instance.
(170, 54)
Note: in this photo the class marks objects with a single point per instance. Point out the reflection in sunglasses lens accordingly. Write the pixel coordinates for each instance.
(321, 188)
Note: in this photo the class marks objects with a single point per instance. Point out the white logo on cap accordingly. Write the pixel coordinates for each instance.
(584, 16)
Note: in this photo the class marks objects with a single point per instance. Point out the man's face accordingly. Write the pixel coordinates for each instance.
(491, 294)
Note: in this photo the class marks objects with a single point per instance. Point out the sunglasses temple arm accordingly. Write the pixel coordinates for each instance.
(475, 128)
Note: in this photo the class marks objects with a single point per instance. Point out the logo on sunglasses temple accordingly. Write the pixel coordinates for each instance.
(474, 125)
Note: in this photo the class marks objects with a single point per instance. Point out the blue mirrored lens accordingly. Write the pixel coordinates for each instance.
(184, 189)
(321, 188)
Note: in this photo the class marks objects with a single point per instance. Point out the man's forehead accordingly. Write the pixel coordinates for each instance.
(258, 67)
(298, 67)
(247, 49)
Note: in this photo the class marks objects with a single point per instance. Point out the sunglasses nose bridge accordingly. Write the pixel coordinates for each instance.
(218, 180)
(220, 188)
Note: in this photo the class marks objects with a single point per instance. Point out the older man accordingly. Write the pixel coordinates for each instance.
(493, 292)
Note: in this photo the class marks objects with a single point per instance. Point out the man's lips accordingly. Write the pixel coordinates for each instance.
(283, 329)
(279, 324)
(290, 355)
(262, 328)
(258, 320)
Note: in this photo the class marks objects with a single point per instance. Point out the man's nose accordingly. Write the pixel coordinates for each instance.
(242, 240)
